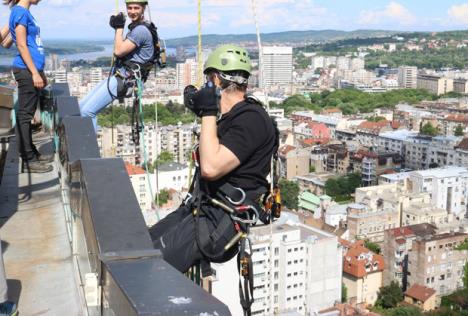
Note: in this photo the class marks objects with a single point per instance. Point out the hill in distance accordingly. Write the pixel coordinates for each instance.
(291, 37)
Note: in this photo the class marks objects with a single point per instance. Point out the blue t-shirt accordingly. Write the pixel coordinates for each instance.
(22, 16)
(142, 38)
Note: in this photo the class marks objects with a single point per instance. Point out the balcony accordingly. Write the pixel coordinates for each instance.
(75, 241)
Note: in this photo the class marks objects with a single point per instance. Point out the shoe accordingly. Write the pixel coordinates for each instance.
(45, 158)
(8, 309)
(35, 166)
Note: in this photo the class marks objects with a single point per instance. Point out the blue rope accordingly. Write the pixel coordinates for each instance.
(142, 136)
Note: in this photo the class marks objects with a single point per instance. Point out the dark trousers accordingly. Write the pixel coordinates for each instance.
(175, 236)
(28, 99)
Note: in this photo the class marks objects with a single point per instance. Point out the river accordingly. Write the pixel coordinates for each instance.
(107, 52)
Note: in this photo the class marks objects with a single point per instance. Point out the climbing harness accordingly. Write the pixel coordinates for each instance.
(242, 211)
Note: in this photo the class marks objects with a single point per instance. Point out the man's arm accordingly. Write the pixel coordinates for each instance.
(122, 47)
(216, 160)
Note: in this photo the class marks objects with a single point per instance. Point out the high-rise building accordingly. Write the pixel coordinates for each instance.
(60, 75)
(140, 185)
(95, 76)
(296, 268)
(460, 85)
(407, 77)
(277, 66)
(186, 73)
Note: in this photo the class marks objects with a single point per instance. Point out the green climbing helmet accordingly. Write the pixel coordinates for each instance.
(137, 1)
(228, 58)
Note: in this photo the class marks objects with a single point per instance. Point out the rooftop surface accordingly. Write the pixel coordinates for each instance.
(37, 253)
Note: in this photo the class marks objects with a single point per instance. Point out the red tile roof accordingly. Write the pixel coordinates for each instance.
(374, 127)
(331, 110)
(134, 170)
(463, 144)
(360, 261)
(457, 118)
(420, 292)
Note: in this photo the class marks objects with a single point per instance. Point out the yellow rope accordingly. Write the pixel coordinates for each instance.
(200, 57)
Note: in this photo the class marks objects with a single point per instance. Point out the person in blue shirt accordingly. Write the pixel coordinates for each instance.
(136, 48)
(28, 66)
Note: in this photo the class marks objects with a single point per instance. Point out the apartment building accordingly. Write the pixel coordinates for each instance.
(448, 187)
(395, 250)
(394, 141)
(407, 77)
(425, 151)
(434, 262)
(186, 73)
(362, 273)
(140, 185)
(277, 66)
(295, 161)
(435, 84)
(297, 268)
(460, 85)
(367, 133)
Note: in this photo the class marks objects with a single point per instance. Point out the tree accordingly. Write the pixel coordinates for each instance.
(331, 187)
(163, 197)
(344, 293)
(429, 130)
(372, 246)
(389, 296)
(459, 130)
(289, 193)
(465, 276)
(163, 157)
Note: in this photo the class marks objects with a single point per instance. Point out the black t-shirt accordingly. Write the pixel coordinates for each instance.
(249, 133)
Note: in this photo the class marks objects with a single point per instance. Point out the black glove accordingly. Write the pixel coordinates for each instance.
(203, 102)
(117, 21)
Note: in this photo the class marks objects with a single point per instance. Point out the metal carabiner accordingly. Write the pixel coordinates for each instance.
(240, 201)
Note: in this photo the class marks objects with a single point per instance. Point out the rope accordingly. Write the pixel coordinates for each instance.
(200, 53)
(142, 136)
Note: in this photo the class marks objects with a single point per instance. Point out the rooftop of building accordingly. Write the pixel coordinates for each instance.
(443, 172)
(450, 235)
(401, 134)
(171, 166)
(420, 230)
(420, 292)
(463, 145)
(359, 261)
(133, 170)
(338, 209)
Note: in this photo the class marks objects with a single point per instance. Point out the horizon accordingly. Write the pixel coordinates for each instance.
(262, 33)
(82, 19)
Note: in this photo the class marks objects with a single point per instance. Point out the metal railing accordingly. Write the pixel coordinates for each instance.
(118, 270)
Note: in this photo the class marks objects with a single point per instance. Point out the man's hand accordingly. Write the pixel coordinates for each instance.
(117, 21)
(203, 102)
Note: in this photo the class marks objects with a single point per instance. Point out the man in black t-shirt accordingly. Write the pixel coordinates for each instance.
(234, 150)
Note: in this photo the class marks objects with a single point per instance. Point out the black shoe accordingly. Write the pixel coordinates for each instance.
(45, 158)
(35, 166)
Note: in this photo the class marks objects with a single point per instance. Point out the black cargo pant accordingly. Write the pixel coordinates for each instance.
(175, 236)
(28, 99)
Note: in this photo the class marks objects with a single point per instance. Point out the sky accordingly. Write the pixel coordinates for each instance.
(88, 19)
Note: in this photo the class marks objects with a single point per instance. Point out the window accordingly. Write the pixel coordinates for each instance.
(276, 276)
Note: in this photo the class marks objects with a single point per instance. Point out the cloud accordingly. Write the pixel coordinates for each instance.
(62, 3)
(459, 13)
(393, 12)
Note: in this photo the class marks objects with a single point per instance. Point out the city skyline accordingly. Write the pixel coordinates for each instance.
(87, 19)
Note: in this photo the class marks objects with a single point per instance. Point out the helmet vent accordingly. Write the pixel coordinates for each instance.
(224, 61)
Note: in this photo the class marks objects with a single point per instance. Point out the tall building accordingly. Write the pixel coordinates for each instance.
(60, 75)
(277, 66)
(95, 76)
(296, 268)
(396, 248)
(434, 262)
(435, 84)
(186, 73)
(407, 77)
